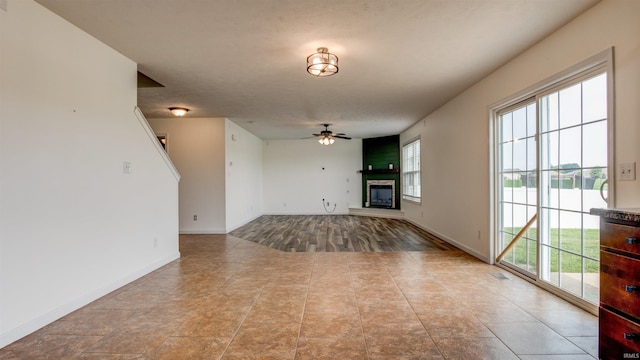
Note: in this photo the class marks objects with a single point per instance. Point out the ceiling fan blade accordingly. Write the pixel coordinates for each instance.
(330, 134)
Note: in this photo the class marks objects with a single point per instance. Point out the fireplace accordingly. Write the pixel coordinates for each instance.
(381, 193)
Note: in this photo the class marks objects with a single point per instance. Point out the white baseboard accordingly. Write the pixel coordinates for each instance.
(307, 213)
(202, 232)
(453, 242)
(45, 319)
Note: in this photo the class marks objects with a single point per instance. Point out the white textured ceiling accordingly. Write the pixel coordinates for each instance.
(245, 59)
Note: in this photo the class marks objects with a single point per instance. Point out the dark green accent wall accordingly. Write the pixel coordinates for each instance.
(379, 153)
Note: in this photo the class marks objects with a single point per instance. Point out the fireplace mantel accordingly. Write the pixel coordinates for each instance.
(380, 171)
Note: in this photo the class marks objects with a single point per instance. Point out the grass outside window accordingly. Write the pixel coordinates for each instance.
(571, 242)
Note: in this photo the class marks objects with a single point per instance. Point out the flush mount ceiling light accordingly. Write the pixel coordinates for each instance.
(178, 111)
(322, 63)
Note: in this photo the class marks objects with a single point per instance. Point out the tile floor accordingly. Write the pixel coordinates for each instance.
(227, 298)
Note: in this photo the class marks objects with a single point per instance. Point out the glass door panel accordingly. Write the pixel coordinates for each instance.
(517, 183)
(573, 168)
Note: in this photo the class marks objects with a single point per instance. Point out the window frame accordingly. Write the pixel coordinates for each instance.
(416, 194)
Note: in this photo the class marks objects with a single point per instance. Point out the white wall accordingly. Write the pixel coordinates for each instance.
(228, 182)
(295, 182)
(243, 183)
(455, 138)
(197, 148)
(73, 226)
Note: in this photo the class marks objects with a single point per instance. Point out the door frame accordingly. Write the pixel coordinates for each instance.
(603, 60)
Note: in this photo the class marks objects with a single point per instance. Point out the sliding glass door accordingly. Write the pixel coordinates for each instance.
(518, 195)
(551, 170)
(573, 175)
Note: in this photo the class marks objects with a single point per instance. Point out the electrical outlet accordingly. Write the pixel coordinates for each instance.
(627, 171)
(195, 217)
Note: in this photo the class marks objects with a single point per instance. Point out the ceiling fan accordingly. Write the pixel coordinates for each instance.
(327, 137)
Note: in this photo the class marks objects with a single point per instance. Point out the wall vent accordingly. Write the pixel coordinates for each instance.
(499, 276)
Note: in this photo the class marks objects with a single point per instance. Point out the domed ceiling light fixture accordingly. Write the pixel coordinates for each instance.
(178, 111)
(323, 63)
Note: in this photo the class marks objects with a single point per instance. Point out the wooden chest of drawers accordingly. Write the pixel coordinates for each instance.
(613, 343)
(619, 284)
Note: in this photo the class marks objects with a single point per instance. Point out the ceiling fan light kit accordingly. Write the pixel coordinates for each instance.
(323, 63)
(326, 140)
(327, 137)
(179, 111)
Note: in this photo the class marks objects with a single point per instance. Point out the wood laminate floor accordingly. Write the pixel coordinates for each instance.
(338, 233)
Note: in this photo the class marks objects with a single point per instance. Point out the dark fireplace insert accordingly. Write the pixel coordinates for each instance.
(381, 195)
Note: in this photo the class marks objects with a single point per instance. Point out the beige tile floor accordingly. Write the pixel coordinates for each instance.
(227, 298)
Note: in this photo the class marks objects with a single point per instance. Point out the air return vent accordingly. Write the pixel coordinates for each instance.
(499, 276)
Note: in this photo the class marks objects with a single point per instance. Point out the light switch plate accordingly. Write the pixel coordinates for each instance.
(627, 171)
(126, 167)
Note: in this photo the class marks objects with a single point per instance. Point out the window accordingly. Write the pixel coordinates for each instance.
(411, 171)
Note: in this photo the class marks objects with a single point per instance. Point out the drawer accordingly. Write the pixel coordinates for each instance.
(619, 337)
(620, 237)
(620, 283)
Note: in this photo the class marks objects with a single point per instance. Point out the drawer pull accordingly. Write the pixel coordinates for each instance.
(633, 241)
(631, 288)
(630, 336)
